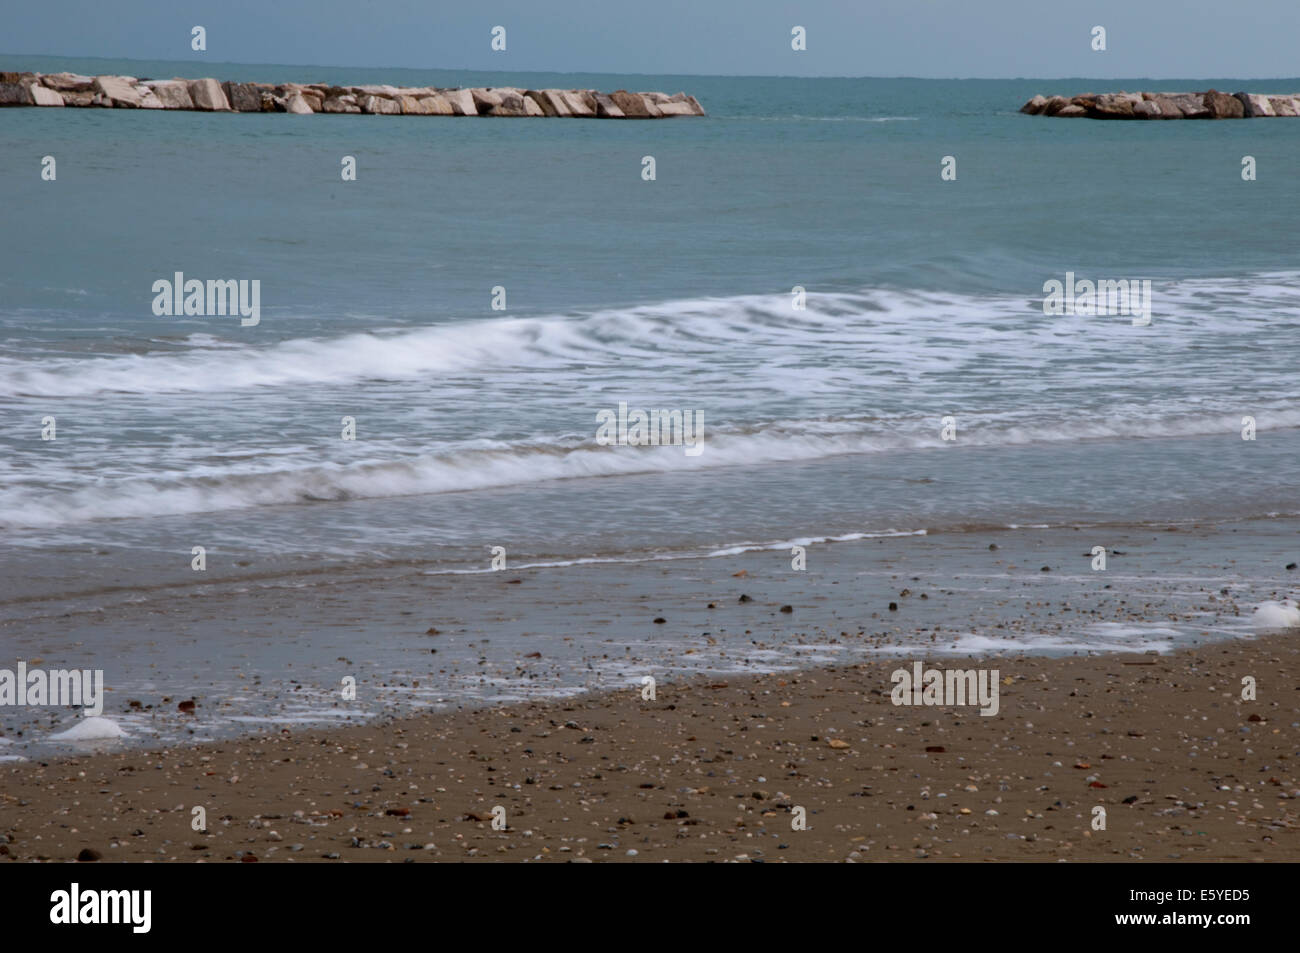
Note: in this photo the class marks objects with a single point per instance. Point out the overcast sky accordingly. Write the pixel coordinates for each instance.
(931, 38)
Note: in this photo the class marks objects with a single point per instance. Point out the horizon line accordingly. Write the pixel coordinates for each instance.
(466, 69)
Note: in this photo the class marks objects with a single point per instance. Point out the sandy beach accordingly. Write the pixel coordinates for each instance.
(714, 771)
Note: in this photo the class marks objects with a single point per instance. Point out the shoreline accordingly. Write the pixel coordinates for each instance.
(256, 653)
(713, 771)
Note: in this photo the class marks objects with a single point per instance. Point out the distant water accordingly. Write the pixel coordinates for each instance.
(476, 427)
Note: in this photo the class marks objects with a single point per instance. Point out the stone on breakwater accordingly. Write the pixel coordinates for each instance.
(633, 105)
(511, 104)
(1072, 111)
(696, 108)
(1113, 106)
(1166, 108)
(485, 100)
(298, 105)
(69, 82)
(380, 106)
(346, 103)
(1034, 106)
(581, 102)
(550, 101)
(1223, 106)
(148, 100)
(411, 106)
(514, 103)
(1054, 105)
(243, 97)
(676, 109)
(462, 101)
(208, 95)
(172, 93)
(312, 97)
(43, 96)
(1283, 106)
(606, 108)
(437, 104)
(1254, 105)
(117, 92)
(1190, 105)
(429, 104)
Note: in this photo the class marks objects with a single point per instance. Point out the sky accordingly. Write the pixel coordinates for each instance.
(925, 38)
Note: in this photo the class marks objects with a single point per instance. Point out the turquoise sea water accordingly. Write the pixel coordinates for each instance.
(477, 427)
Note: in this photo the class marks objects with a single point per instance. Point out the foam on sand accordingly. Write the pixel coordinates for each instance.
(91, 729)
(1277, 615)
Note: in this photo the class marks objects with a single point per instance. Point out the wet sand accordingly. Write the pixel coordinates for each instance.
(258, 653)
(715, 770)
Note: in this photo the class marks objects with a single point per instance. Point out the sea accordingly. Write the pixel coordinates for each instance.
(843, 280)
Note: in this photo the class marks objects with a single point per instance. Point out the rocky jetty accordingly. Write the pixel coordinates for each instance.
(1211, 104)
(209, 95)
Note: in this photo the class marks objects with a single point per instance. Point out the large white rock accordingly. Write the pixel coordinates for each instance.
(341, 104)
(208, 95)
(172, 93)
(298, 105)
(1283, 105)
(485, 100)
(118, 91)
(681, 109)
(462, 101)
(648, 103)
(1256, 106)
(550, 101)
(606, 108)
(696, 108)
(581, 103)
(68, 82)
(411, 105)
(380, 106)
(436, 104)
(45, 97)
(430, 104)
(386, 92)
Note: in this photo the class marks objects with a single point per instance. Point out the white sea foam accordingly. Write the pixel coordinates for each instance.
(91, 729)
(909, 332)
(1276, 615)
(869, 363)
